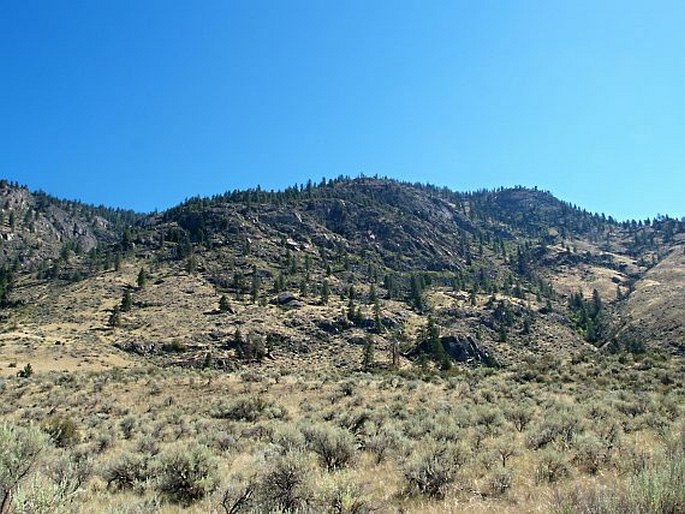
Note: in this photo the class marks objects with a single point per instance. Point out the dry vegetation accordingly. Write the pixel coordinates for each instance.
(588, 434)
(360, 346)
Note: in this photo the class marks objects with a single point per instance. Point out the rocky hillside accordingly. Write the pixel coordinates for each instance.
(37, 229)
(349, 272)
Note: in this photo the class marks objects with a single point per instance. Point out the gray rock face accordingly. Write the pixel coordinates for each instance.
(459, 348)
(463, 349)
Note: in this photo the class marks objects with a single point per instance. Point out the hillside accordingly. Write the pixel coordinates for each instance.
(496, 268)
(352, 335)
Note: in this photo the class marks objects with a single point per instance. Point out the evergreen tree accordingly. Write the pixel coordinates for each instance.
(372, 294)
(351, 310)
(395, 353)
(126, 301)
(436, 349)
(279, 283)
(115, 318)
(325, 292)
(377, 316)
(142, 278)
(238, 338)
(224, 305)
(368, 354)
(416, 293)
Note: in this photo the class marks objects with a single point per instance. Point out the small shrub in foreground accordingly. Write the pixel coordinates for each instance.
(335, 446)
(432, 471)
(126, 471)
(186, 473)
(286, 484)
(19, 451)
(551, 467)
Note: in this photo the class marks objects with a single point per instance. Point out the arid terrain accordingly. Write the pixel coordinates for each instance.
(359, 345)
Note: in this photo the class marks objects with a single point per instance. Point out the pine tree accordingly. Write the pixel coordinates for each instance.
(437, 350)
(115, 318)
(351, 310)
(368, 355)
(142, 278)
(126, 301)
(395, 354)
(377, 316)
(279, 283)
(325, 292)
(416, 292)
(372, 294)
(224, 305)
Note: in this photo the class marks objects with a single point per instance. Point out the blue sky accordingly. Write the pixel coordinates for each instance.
(140, 104)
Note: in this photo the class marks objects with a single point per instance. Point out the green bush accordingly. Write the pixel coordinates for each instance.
(286, 484)
(520, 416)
(551, 467)
(249, 408)
(498, 483)
(186, 472)
(434, 469)
(41, 495)
(346, 497)
(26, 371)
(126, 471)
(384, 443)
(62, 431)
(335, 446)
(19, 451)
(590, 455)
(657, 489)
(559, 426)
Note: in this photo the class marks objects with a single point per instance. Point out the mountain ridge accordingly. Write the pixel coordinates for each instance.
(512, 269)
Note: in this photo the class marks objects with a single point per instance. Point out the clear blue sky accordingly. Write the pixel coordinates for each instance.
(140, 104)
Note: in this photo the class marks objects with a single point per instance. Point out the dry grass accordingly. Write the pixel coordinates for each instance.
(146, 410)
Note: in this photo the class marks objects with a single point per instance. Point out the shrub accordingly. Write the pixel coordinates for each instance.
(434, 469)
(562, 427)
(128, 425)
(384, 442)
(186, 473)
(62, 431)
(54, 490)
(248, 409)
(488, 417)
(520, 416)
(286, 484)
(42, 495)
(590, 454)
(126, 471)
(335, 446)
(499, 483)
(506, 448)
(551, 467)
(590, 500)
(346, 497)
(659, 488)
(26, 371)
(19, 451)
(288, 439)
